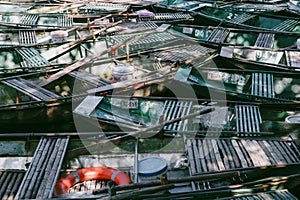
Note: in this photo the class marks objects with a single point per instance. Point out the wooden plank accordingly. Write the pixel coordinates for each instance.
(27, 178)
(10, 185)
(276, 159)
(282, 152)
(286, 150)
(233, 154)
(212, 155)
(240, 154)
(245, 153)
(28, 88)
(290, 151)
(38, 172)
(202, 156)
(296, 150)
(217, 155)
(256, 153)
(191, 157)
(56, 169)
(197, 157)
(50, 165)
(225, 155)
(267, 152)
(16, 186)
(250, 153)
(4, 181)
(206, 155)
(263, 158)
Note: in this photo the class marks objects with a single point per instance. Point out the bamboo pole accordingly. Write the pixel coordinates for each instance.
(26, 179)
(46, 178)
(54, 174)
(132, 194)
(38, 172)
(173, 181)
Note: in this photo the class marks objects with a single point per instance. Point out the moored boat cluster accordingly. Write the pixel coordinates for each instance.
(133, 99)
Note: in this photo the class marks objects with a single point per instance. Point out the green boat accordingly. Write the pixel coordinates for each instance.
(211, 81)
(171, 116)
(210, 16)
(217, 36)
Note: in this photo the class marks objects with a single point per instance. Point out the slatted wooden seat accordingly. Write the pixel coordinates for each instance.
(263, 85)
(32, 90)
(293, 58)
(89, 78)
(32, 57)
(170, 17)
(241, 18)
(10, 181)
(276, 194)
(108, 7)
(149, 26)
(183, 54)
(218, 35)
(265, 40)
(27, 37)
(286, 25)
(176, 109)
(248, 118)
(29, 19)
(42, 174)
(151, 41)
(217, 155)
(64, 21)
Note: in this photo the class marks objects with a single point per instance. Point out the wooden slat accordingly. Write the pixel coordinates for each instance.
(10, 181)
(212, 155)
(245, 153)
(248, 118)
(284, 154)
(197, 156)
(207, 157)
(274, 152)
(227, 158)
(43, 171)
(217, 154)
(191, 157)
(269, 195)
(290, 151)
(233, 153)
(34, 91)
(202, 156)
(240, 154)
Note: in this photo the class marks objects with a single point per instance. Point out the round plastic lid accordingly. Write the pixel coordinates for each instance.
(152, 166)
(293, 119)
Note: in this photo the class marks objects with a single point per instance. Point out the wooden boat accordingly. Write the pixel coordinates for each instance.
(214, 176)
(216, 36)
(245, 20)
(259, 58)
(234, 84)
(171, 116)
(25, 106)
(37, 50)
(72, 84)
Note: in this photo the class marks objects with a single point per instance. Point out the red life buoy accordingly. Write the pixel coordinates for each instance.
(91, 173)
